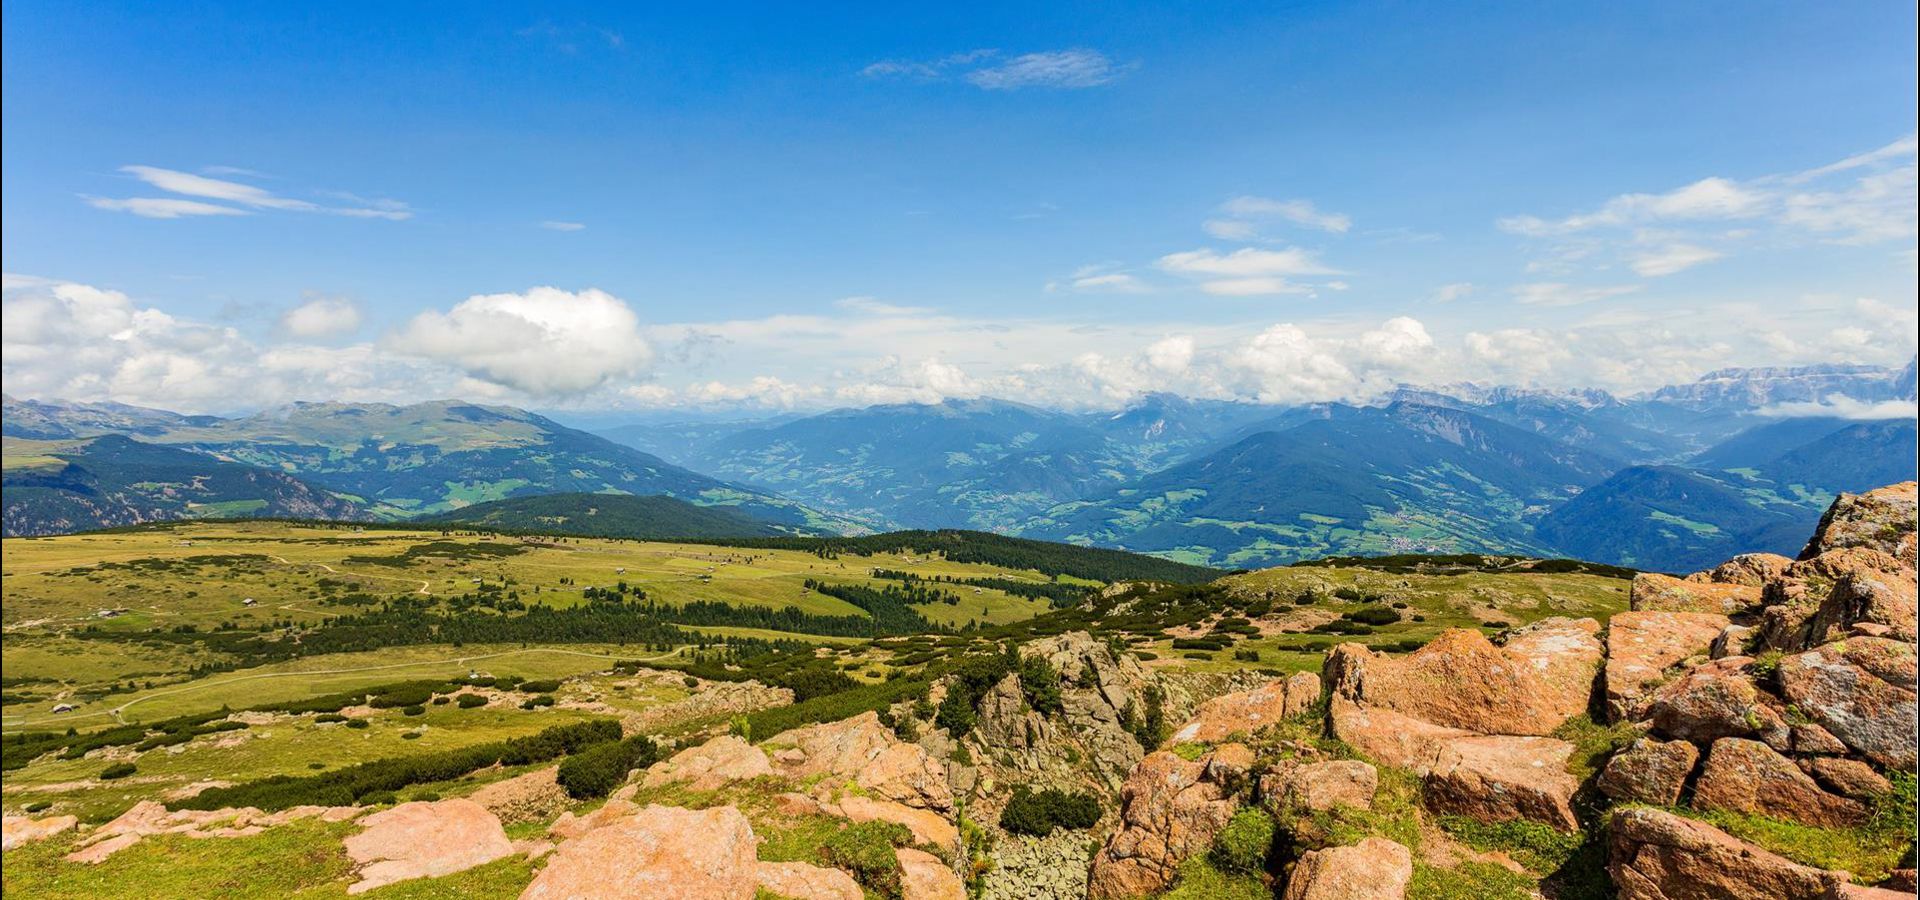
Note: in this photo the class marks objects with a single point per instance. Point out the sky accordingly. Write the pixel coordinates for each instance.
(654, 210)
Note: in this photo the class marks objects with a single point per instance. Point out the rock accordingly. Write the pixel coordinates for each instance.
(1747, 777)
(1715, 700)
(1732, 640)
(1875, 590)
(1643, 645)
(793, 804)
(657, 853)
(1652, 592)
(1303, 690)
(803, 881)
(425, 840)
(1850, 778)
(1170, 809)
(18, 830)
(1501, 778)
(1649, 771)
(1749, 569)
(1034, 868)
(532, 797)
(1374, 869)
(928, 827)
(1320, 786)
(1388, 737)
(711, 765)
(1863, 691)
(924, 877)
(1246, 712)
(1881, 519)
(865, 752)
(1461, 680)
(1564, 653)
(569, 826)
(1656, 855)
(98, 851)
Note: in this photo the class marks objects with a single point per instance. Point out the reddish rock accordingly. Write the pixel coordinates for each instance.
(1876, 590)
(1374, 869)
(1716, 700)
(1643, 645)
(533, 797)
(1170, 809)
(1461, 680)
(1747, 777)
(865, 752)
(18, 830)
(1245, 712)
(928, 827)
(1849, 778)
(1388, 737)
(1881, 519)
(1501, 778)
(1812, 740)
(1565, 653)
(1652, 592)
(1320, 786)
(711, 765)
(569, 826)
(425, 840)
(1863, 691)
(924, 877)
(1655, 855)
(97, 852)
(658, 853)
(1750, 569)
(1649, 771)
(802, 881)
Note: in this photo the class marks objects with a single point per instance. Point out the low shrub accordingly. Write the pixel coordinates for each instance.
(1246, 844)
(328, 718)
(359, 723)
(1039, 813)
(596, 771)
(540, 687)
(469, 701)
(866, 850)
(414, 711)
(118, 770)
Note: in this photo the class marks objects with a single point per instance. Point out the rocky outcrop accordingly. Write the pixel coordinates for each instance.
(657, 852)
(928, 827)
(1749, 569)
(1655, 855)
(1862, 691)
(1653, 592)
(533, 797)
(1502, 778)
(1031, 868)
(1085, 741)
(1719, 699)
(711, 765)
(1880, 519)
(1642, 645)
(1748, 777)
(16, 831)
(1649, 771)
(425, 840)
(924, 877)
(803, 881)
(1388, 737)
(1461, 680)
(1848, 778)
(1170, 809)
(1246, 713)
(862, 751)
(1374, 869)
(1320, 786)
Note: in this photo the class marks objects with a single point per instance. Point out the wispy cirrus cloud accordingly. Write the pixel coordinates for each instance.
(1242, 217)
(558, 225)
(1248, 271)
(222, 197)
(1069, 69)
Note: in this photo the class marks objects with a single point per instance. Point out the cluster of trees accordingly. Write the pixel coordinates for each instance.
(889, 609)
(1057, 594)
(597, 770)
(1038, 813)
(1045, 557)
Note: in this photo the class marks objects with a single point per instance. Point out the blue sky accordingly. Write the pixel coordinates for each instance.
(219, 207)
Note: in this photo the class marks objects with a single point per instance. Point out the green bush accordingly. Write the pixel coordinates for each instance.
(1373, 615)
(1245, 845)
(1040, 683)
(1039, 813)
(540, 687)
(117, 770)
(469, 701)
(359, 723)
(955, 713)
(39, 806)
(414, 711)
(403, 695)
(596, 771)
(866, 851)
(537, 701)
(328, 718)
(442, 701)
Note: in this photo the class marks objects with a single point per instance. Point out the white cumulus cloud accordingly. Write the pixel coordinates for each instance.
(545, 342)
(322, 317)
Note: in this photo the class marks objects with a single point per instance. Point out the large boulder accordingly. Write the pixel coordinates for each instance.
(711, 765)
(928, 827)
(1848, 777)
(533, 797)
(1247, 712)
(657, 853)
(1643, 644)
(1502, 778)
(1390, 738)
(1170, 809)
(1461, 680)
(425, 840)
(1649, 771)
(1655, 855)
(1374, 869)
(1862, 690)
(1747, 777)
(924, 877)
(18, 830)
(805, 881)
(1320, 786)
(1881, 519)
(1719, 699)
(1653, 592)
(866, 753)
(1564, 653)
(1750, 569)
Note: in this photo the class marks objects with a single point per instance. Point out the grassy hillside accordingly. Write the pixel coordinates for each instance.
(609, 515)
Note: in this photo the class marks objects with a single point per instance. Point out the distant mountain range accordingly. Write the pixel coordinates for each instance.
(1666, 480)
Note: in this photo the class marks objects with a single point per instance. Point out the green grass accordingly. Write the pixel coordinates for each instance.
(291, 861)
(1469, 881)
(1869, 851)
(1592, 743)
(1199, 880)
